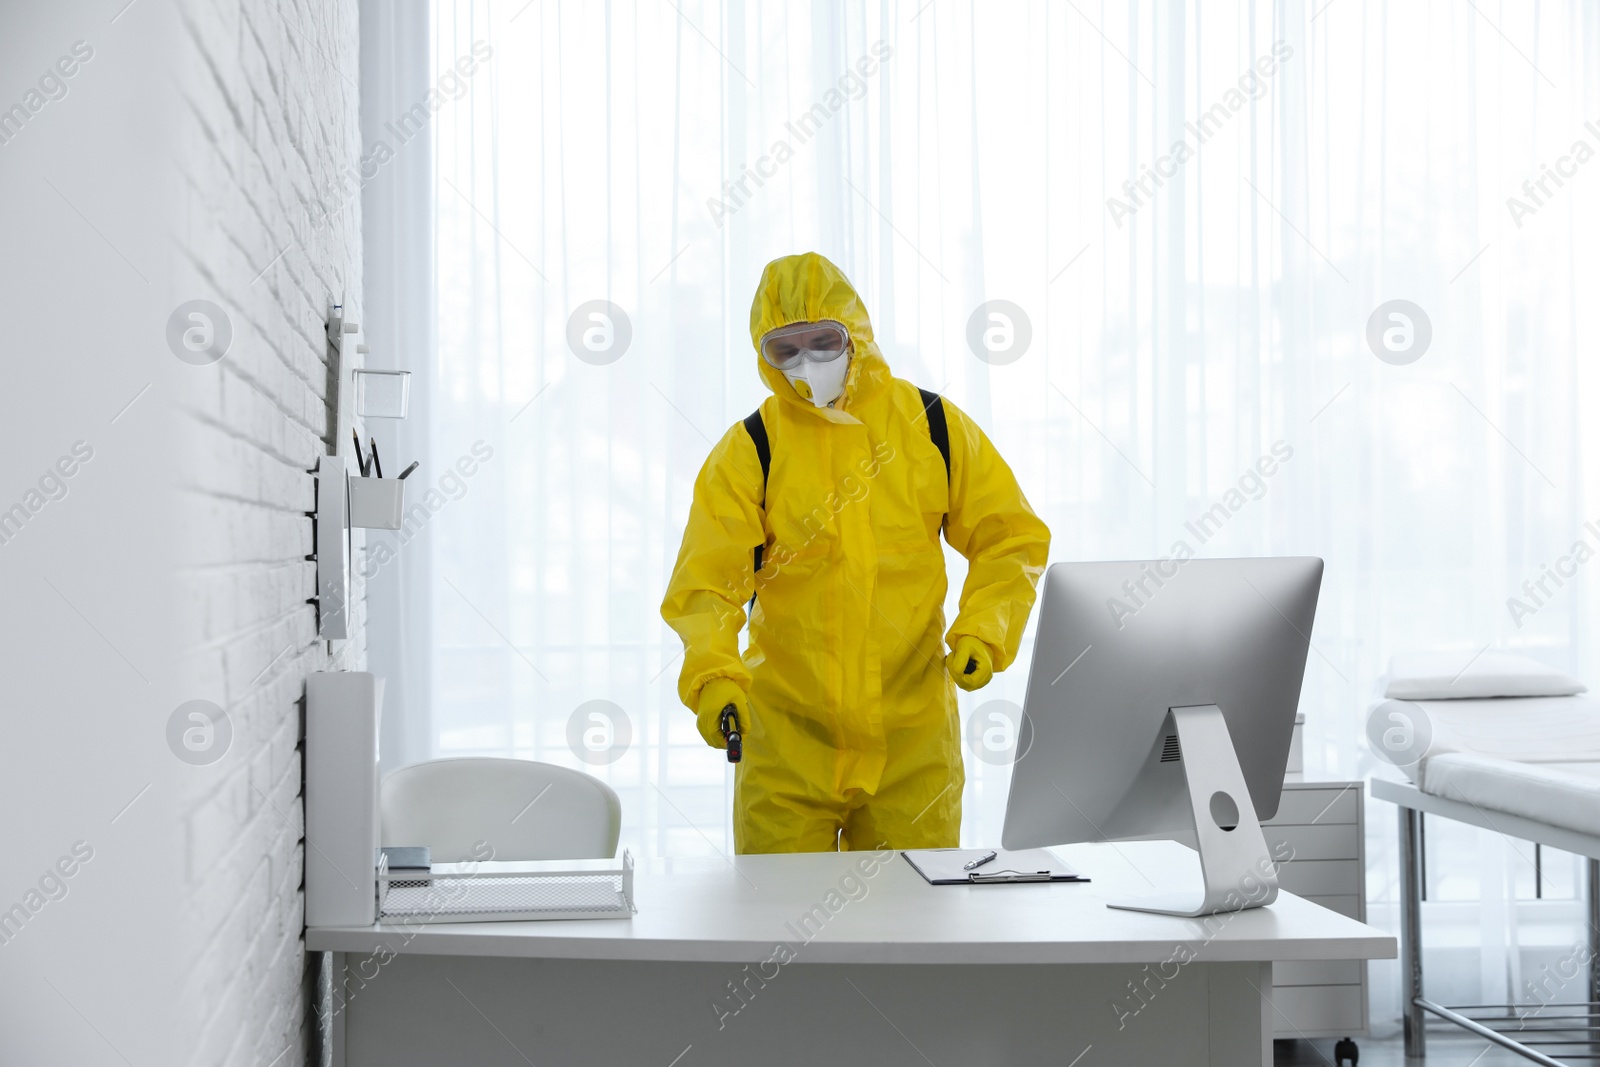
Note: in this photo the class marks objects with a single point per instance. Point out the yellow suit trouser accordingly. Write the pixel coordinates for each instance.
(917, 803)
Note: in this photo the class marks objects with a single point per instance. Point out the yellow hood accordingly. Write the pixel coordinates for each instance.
(809, 288)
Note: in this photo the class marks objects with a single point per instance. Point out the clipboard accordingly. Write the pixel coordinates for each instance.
(946, 866)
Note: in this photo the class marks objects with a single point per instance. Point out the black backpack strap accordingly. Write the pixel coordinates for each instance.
(757, 429)
(938, 429)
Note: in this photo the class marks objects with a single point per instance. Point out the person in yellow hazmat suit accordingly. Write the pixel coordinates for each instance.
(825, 507)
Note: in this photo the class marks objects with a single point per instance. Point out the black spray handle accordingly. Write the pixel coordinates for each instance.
(730, 715)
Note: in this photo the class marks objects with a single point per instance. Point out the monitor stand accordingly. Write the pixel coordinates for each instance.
(1235, 864)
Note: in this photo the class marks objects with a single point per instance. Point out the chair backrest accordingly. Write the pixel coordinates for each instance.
(524, 810)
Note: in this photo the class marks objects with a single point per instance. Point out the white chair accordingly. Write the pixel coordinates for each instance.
(523, 810)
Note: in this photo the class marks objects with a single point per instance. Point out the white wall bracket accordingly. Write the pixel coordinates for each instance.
(1236, 867)
(333, 548)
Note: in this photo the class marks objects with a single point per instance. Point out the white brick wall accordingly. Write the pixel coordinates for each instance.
(269, 126)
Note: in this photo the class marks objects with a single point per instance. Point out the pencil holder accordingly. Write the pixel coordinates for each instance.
(377, 503)
(382, 394)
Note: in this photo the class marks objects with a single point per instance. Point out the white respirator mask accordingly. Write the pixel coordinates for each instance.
(813, 356)
(820, 383)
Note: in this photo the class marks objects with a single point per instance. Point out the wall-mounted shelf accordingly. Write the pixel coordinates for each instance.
(345, 503)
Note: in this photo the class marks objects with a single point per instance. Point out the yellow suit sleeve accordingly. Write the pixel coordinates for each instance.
(714, 576)
(1005, 543)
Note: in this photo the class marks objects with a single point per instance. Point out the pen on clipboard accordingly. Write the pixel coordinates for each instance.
(979, 862)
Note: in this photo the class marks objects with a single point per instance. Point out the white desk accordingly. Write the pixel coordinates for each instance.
(906, 973)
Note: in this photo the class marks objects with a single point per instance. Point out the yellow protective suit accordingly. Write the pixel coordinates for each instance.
(854, 740)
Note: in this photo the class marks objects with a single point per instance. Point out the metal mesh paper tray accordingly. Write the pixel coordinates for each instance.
(484, 891)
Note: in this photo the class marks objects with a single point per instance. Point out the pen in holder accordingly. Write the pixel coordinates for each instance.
(377, 503)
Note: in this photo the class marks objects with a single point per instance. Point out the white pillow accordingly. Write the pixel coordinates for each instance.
(1458, 675)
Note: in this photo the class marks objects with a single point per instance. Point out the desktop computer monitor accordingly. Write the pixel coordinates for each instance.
(1161, 703)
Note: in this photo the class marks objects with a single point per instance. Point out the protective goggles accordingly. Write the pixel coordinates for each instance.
(819, 342)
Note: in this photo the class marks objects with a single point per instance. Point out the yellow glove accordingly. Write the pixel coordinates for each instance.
(970, 664)
(714, 696)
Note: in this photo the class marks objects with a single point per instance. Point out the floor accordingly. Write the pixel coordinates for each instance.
(1445, 1049)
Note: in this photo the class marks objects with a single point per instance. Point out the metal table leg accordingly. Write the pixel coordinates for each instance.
(1594, 929)
(1592, 918)
(1411, 932)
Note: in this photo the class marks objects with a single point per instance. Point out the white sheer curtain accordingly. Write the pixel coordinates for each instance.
(1341, 155)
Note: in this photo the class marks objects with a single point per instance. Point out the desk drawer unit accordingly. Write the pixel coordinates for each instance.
(1321, 824)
